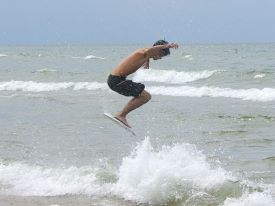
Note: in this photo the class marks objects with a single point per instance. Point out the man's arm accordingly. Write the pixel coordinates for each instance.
(166, 46)
(146, 64)
(155, 50)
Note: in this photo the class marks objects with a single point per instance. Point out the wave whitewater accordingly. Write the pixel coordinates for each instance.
(253, 199)
(3, 55)
(171, 76)
(89, 57)
(252, 94)
(31, 86)
(174, 173)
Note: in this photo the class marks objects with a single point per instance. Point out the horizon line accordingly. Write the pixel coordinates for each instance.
(137, 43)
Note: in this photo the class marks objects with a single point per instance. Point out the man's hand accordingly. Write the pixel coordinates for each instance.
(146, 64)
(173, 46)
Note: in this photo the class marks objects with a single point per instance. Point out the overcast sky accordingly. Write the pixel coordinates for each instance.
(136, 21)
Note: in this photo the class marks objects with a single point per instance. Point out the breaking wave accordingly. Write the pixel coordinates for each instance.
(253, 199)
(3, 55)
(89, 57)
(45, 71)
(253, 94)
(31, 86)
(171, 76)
(173, 173)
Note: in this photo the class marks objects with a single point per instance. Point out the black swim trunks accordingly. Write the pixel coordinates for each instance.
(124, 86)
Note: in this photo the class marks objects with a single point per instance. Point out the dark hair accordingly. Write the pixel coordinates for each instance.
(163, 42)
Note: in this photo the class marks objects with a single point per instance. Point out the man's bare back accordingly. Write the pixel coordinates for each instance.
(131, 63)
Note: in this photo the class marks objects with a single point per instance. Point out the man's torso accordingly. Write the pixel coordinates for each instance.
(130, 64)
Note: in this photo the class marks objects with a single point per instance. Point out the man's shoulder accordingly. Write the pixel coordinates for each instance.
(140, 52)
(143, 51)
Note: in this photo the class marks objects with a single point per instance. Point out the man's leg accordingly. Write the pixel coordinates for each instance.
(133, 104)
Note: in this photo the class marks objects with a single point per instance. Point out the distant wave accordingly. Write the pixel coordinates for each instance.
(171, 76)
(24, 54)
(253, 94)
(89, 57)
(31, 86)
(44, 70)
(3, 55)
(258, 76)
(188, 56)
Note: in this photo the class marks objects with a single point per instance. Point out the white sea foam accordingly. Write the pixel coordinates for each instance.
(31, 86)
(258, 76)
(93, 57)
(45, 70)
(89, 57)
(90, 86)
(146, 175)
(176, 172)
(253, 199)
(253, 94)
(188, 56)
(156, 177)
(3, 55)
(171, 76)
(22, 179)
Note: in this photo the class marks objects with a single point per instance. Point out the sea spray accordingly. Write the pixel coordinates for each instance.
(174, 172)
(252, 199)
(146, 175)
(26, 180)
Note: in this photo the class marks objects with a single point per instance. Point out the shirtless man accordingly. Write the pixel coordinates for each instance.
(117, 79)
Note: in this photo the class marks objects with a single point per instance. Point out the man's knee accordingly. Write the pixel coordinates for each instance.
(146, 95)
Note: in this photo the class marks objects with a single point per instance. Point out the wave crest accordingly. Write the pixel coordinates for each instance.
(171, 76)
(31, 86)
(3, 55)
(178, 172)
(253, 94)
(253, 199)
(89, 57)
(169, 174)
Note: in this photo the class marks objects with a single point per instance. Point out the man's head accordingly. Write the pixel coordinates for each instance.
(164, 52)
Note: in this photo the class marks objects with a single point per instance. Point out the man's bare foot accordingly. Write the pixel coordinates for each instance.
(123, 120)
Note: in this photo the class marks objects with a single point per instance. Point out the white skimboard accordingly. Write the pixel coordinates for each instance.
(119, 123)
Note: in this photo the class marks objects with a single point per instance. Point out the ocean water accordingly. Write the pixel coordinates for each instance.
(205, 138)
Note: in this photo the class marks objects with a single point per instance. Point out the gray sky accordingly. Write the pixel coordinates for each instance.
(136, 21)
